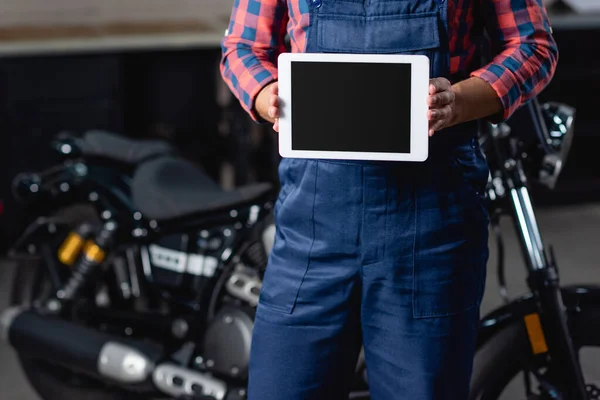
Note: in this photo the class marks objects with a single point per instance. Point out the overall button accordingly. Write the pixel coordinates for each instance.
(316, 3)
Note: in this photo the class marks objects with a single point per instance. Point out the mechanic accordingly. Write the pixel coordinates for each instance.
(389, 255)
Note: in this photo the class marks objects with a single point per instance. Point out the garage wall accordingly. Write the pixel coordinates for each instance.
(85, 12)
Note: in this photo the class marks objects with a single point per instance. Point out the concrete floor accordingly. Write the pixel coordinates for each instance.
(573, 230)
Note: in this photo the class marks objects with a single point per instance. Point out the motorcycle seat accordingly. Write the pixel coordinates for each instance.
(168, 187)
(115, 147)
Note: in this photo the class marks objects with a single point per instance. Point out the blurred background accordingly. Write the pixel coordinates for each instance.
(149, 69)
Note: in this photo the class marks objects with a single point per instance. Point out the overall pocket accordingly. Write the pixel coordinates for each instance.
(451, 240)
(471, 162)
(288, 261)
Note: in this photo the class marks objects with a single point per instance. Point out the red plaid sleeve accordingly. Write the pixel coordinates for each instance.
(527, 54)
(251, 45)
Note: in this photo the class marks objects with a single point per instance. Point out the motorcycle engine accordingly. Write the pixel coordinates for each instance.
(227, 342)
(227, 339)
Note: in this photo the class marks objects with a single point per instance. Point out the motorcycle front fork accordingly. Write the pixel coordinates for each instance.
(544, 282)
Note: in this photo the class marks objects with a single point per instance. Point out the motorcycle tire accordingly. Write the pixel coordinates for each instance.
(508, 353)
(49, 382)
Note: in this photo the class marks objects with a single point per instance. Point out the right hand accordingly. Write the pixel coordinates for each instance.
(267, 104)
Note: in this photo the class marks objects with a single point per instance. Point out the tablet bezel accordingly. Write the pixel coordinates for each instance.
(419, 140)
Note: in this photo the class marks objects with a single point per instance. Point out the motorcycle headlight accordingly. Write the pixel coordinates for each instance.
(559, 119)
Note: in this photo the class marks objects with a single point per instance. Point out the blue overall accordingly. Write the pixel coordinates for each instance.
(388, 255)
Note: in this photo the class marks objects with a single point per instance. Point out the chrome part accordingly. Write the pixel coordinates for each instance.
(533, 224)
(93, 196)
(66, 149)
(53, 305)
(7, 318)
(500, 130)
(180, 328)
(226, 254)
(254, 211)
(552, 165)
(81, 169)
(102, 297)
(268, 238)
(179, 382)
(64, 187)
(133, 276)
(510, 164)
(106, 214)
(181, 262)
(139, 232)
(529, 228)
(245, 287)
(146, 262)
(123, 363)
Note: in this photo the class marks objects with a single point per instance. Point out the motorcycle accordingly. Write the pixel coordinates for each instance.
(150, 289)
(145, 274)
(540, 334)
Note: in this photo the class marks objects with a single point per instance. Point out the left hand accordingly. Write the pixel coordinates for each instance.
(441, 102)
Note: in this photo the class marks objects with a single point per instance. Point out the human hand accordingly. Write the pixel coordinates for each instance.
(442, 104)
(267, 104)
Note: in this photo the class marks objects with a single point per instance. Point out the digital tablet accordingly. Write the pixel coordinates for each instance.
(353, 106)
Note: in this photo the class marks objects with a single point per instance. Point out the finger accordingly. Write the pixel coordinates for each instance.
(431, 128)
(274, 101)
(441, 99)
(275, 88)
(274, 112)
(443, 113)
(438, 125)
(438, 85)
(432, 87)
(437, 114)
(434, 115)
(276, 125)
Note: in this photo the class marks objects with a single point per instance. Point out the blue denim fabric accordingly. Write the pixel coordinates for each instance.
(391, 255)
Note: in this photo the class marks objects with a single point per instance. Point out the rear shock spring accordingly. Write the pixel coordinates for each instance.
(93, 254)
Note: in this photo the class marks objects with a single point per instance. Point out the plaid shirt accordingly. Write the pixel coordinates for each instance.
(519, 31)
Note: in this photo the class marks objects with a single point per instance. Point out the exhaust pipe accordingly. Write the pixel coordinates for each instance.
(122, 361)
(79, 348)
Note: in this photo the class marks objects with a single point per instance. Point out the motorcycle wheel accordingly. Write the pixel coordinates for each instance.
(52, 382)
(499, 361)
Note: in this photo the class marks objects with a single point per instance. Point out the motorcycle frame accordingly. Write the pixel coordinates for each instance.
(547, 299)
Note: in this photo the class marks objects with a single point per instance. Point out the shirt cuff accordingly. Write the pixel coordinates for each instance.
(260, 76)
(503, 81)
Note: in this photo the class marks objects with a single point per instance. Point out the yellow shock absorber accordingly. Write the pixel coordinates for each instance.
(71, 248)
(93, 252)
